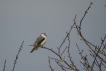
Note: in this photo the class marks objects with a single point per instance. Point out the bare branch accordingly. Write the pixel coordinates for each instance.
(15, 61)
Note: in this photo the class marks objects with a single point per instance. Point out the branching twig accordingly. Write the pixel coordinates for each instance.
(79, 32)
(56, 60)
(50, 65)
(66, 36)
(89, 44)
(60, 65)
(84, 16)
(15, 61)
(58, 56)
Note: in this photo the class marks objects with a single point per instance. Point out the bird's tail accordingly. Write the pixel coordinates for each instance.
(35, 48)
(32, 50)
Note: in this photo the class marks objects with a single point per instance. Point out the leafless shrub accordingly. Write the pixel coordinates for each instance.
(98, 53)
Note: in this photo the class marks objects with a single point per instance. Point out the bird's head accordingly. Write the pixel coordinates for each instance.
(44, 35)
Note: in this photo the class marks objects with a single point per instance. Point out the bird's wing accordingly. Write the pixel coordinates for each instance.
(39, 40)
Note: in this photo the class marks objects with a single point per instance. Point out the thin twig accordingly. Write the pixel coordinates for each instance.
(4, 65)
(69, 49)
(84, 15)
(102, 42)
(66, 36)
(50, 65)
(79, 50)
(75, 17)
(55, 59)
(15, 61)
(63, 51)
(59, 63)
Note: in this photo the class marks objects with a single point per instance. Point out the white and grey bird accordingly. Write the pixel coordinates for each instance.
(40, 41)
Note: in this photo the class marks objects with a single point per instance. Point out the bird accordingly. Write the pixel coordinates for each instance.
(40, 41)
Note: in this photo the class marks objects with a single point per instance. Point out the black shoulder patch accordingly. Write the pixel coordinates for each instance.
(41, 41)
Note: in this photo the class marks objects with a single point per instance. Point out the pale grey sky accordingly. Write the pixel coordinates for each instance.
(27, 19)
